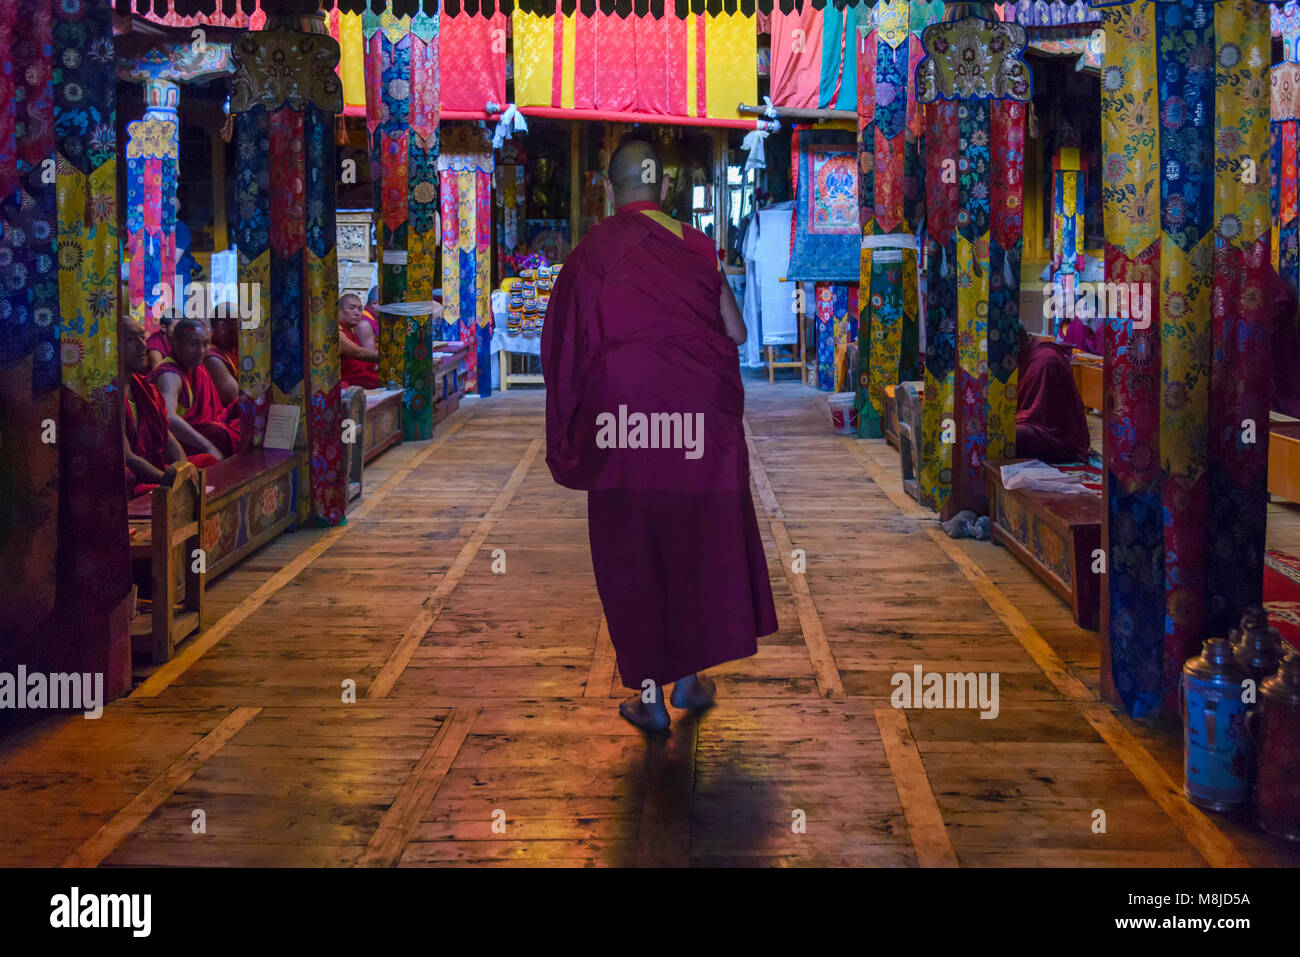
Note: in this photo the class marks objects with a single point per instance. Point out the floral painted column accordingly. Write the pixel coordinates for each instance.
(152, 155)
(974, 178)
(891, 154)
(1285, 122)
(284, 99)
(65, 573)
(402, 112)
(466, 166)
(1069, 182)
(152, 151)
(1185, 130)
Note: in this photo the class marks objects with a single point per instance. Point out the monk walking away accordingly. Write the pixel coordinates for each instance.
(644, 407)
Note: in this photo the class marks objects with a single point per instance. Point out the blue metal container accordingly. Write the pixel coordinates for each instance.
(1218, 752)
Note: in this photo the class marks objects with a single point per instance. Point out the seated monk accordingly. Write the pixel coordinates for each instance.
(1051, 424)
(160, 342)
(222, 360)
(358, 345)
(149, 445)
(201, 421)
(1077, 334)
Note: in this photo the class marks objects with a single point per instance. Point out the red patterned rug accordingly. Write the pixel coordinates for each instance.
(1282, 594)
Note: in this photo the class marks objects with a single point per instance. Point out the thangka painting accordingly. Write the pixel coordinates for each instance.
(975, 86)
(1186, 206)
(824, 246)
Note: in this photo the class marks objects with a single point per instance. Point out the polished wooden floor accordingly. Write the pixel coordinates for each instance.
(484, 730)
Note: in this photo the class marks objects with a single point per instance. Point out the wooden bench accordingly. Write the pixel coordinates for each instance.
(166, 527)
(909, 397)
(1284, 460)
(1055, 534)
(254, 498)
(382, 427)
(354, 409)
(449, 377)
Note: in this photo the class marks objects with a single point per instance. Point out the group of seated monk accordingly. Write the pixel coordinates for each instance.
(184, 404)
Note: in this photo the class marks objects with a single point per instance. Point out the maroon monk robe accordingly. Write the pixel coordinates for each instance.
(1051, 424)
(1081, 337)
(199, 404)
(146, 430)
(634, 329)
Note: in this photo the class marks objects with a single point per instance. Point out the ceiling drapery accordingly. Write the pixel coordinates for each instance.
(232, 10)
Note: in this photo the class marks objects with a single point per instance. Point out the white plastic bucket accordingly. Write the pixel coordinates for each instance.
(844, 414)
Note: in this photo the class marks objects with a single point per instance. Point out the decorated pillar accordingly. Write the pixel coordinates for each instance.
(466, 165)
(65, 574)
(1069, 189)
(1285, 117)
(974, 179)
(1185, 191)
(152, 150)
(152, 155)
(402, 112)
(891, 136)
(284, 98)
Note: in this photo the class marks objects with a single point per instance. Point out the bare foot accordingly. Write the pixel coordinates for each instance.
(647, 717)
(695, 691)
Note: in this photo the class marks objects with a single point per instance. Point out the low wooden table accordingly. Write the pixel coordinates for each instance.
(1055, 534)
(1284, 460)
(1088, 380)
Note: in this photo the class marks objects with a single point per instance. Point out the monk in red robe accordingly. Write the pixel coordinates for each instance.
(1051, 424)
(222, 360)
(160, 342)
(644, 406)
(195, 412)
(358, 345)
(149, 444)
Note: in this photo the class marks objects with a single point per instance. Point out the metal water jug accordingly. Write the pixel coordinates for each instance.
(1275, 726)
(1217, 749)
(1257, 645)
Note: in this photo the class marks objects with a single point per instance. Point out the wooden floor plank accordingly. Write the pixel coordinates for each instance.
(108, 837)
(924, 821)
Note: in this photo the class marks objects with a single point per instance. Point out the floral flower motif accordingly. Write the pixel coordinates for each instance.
(1112, 80)
(1230, 226)
(72, 351)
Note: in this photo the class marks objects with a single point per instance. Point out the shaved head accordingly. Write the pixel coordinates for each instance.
(635, 172)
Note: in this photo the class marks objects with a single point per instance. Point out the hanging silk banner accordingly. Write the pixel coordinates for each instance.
(284, 98)
(1185, 130)
(65, 574)
(1285, 121)
(475, 47)
(346, 29)
(975, 123)
(1069, 191)
(403, 107)
(836, 325)
(699, 66)
(891, 137)
(465, 165)
(152, 152)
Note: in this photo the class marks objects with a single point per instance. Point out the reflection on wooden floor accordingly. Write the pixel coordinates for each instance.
(484, 730)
